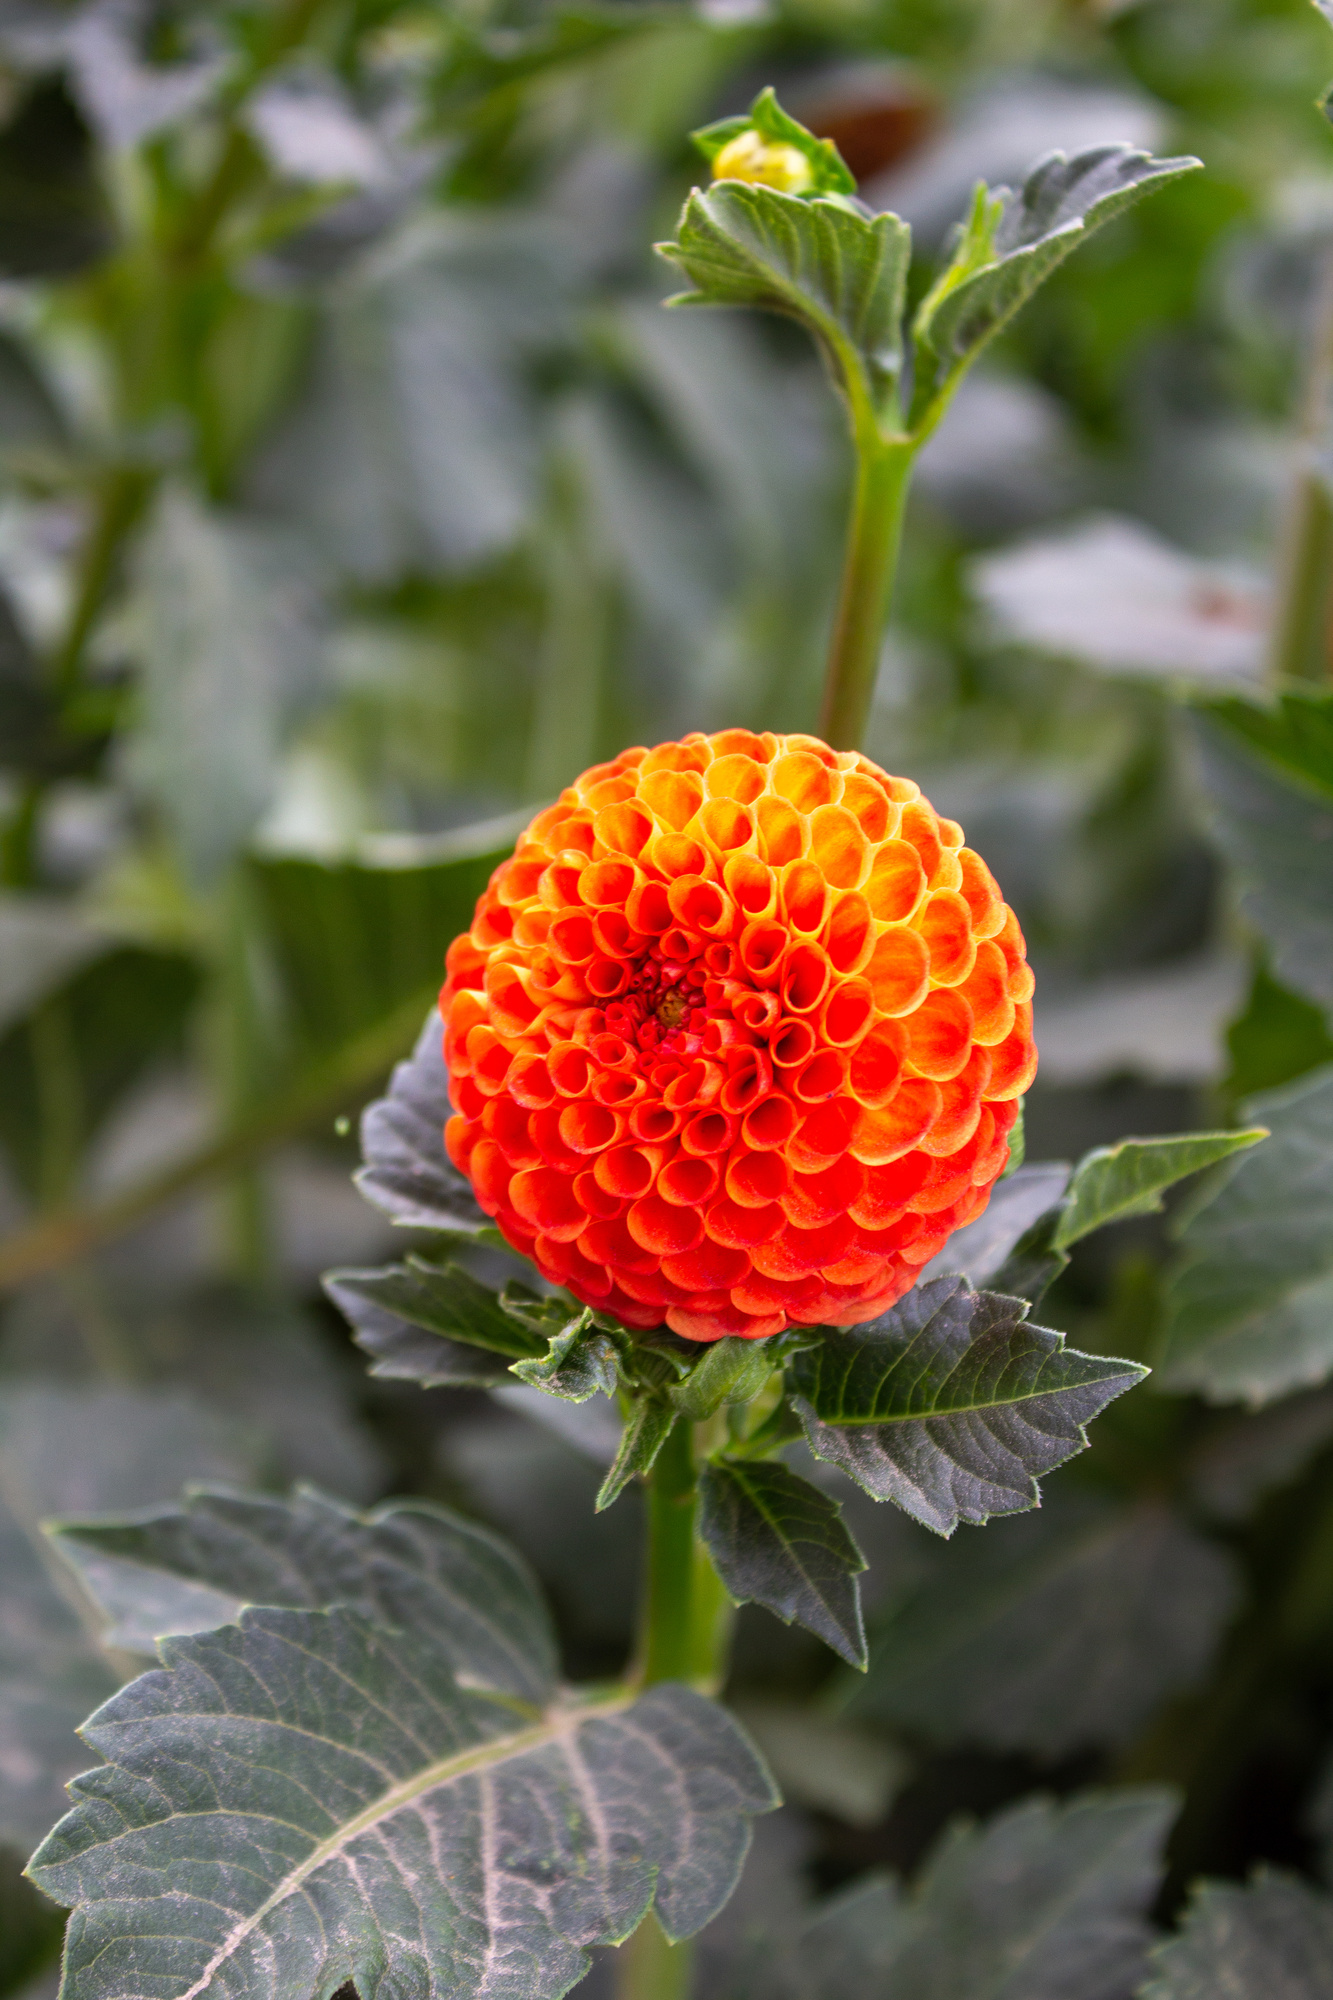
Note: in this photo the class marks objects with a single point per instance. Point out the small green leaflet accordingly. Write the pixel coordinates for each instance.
(730, 1371)
(776, 1540)
(1272, 1940)
(951, 1404)
(1010, 243)
(1131, 1177)
(581, 1361)
(647, 1430)
(401, 1351)
(328, 1804)
(444, 1299)
(841, 273)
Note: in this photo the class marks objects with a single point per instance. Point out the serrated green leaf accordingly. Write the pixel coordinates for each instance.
(407, 1172)
(193, 1565)
(951, 1404)
(776, 1540)
(842, 274)
(331, 1805)
(1131, 1177)
(730, 1370)
(1063, 1629)
(645, 1433)
(1249, 1308)
(76, 1448)
(1049, 1899)
(1272, 1940)
(581, 1361)
(443, 1298)
(1274, 823)
(402, 1352)
(1003, 257)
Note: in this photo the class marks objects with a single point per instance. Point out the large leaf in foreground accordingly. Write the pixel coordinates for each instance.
(1250, 1308)
(323, 1802)
(1270, 1941)
(776, 1540)
(1065, 1628)
(951, 1404)
(75, 1448)
(1045, 1903)
(192, 1566)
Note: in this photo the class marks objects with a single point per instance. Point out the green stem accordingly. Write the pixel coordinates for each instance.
(650, 1967)
(667, 1642)
(883, 469)
(18, 842)
(685, 1635)
(1300, 644)
(119, 502)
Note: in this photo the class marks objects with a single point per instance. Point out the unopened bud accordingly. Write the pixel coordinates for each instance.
(750, 157)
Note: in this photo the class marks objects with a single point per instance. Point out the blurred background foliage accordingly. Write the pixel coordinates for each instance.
(355, 492)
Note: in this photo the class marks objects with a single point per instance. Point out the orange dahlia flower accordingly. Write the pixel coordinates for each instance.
(737, 1037)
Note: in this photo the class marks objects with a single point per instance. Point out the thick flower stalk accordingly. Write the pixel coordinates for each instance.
(737, 1037)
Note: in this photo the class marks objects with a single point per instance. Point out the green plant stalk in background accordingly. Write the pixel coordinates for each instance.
(1301, 645)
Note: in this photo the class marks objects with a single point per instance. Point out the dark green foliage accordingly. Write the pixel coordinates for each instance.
(951, 1404)
(338, 1740)
(776, 1540)
(1048, 1899)
(1067, 1628)
(190, 1567)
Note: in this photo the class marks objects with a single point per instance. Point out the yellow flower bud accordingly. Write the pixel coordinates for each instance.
(749, 157)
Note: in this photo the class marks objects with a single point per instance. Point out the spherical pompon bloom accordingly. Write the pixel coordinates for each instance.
(737, 1037)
